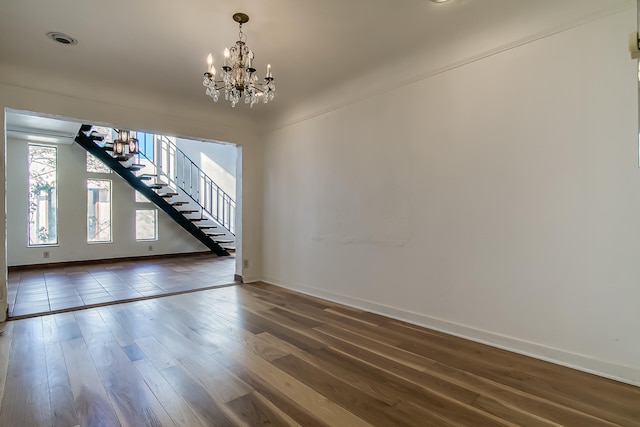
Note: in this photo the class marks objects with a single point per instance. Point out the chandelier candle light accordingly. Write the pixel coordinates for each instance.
(238, 75)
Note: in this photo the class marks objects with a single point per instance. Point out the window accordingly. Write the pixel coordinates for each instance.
(140, 198)
(145, 144)
(43, 195)
(95, 165)
(98, 211)
(146, 228)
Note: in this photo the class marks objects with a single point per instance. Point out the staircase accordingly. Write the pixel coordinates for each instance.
(175, 184)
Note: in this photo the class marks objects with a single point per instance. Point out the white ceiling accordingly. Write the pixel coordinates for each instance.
(157, 48)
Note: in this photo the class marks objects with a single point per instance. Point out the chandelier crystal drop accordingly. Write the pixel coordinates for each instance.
(238, 77)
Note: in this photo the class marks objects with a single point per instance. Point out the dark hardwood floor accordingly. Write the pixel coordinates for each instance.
(39, 290)
(251, 355)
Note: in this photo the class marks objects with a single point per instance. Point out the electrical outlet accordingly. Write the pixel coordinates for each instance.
(245, 263)
(150, 248)
(45, 254)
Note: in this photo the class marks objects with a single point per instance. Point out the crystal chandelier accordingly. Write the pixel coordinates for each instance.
(238, 75)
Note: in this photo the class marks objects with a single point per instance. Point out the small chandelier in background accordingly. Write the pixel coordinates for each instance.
(123, 140)
(238, 75)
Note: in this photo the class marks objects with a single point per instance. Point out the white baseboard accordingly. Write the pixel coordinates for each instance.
(625, 374)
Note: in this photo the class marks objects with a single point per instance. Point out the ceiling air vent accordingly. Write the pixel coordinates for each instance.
(62, 38)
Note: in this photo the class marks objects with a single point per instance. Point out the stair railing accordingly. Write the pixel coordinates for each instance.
(181, 172)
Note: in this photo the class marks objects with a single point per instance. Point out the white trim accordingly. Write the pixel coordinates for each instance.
(622, 373)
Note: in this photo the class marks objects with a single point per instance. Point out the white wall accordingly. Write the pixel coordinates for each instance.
(218, 160)
(72, 211)
(162, 119)
(499, 200)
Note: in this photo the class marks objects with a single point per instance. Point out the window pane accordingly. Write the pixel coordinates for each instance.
(140, 198)
(146, 224)
(98, 210)
(43, 199)
(145, 143)
(95, 165)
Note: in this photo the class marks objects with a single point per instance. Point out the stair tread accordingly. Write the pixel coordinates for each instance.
(178, 203)
(167, 194)
(96, 136)
(206, 227)
(224, 241)
(156, 186)
(188, 211)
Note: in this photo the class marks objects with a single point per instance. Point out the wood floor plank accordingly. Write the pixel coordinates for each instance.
(293, 297)
(361, 404)
(231, 341)
(219, 383)
(91, 400)
(411, 360)
(177, 408)
(512, 404)
(276, 397)
(27, 402)
(90, 323)
(509, 375)
(156, 353)
(443, 345)
(513, 414)
(611, 391)
(122, 316)
(510, 397)
(132, 400)
(5, 351)
(174, 324)
(260, 355)
(381, 382)
(198, 398)
(324, 316)
(372, 409)
(63, 407)
(299, 392)
(292, 336)
(124, 339)
(476, 384)
(358, 315)
(254, 411)
(428, 417)
(223, 331)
